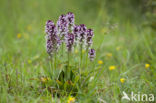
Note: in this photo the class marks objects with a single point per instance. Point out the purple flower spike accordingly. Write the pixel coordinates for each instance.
(82, 35)
(49, 46)
(70, 17)
(91, 54)
(53, 44)
(66, 31)
(50, 27)
(62, 25)
(52, 40)
(76, 32)
(69, 41)
(57, 41)
(89, 37)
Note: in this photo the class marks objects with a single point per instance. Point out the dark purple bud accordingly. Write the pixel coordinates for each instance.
(83, 31)
(76, 32)
(50, 27)
(83, 28)
(69, 38)
(76, 29)
(70, 17)
(91, 54)
(89, 37)
(62, 25)
(90, 33)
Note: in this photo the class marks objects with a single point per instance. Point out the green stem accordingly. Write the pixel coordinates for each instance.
(87, 57)
(51, 67)
(62, 45)
(80, 65)
(68, 58)
(62, 49)
(81, 57)
(55, 60)
(68, 68)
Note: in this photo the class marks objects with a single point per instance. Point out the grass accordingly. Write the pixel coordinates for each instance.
(126, 45)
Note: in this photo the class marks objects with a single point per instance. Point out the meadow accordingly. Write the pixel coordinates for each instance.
(125, 51)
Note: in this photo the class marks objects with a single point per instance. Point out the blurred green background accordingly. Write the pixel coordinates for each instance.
(28, 17)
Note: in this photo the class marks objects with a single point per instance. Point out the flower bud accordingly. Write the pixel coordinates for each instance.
(91, 54)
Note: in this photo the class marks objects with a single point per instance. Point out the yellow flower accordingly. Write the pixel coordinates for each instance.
(118, 48)
(104, 30)
(29, 61)
(76, 51)
(43, 79)
(71, 100)
(147, 66)
(109, 54)
(29, 28)
(58, 82)
(18, 35)
(112, 67)
(122, 80)
(100, 62)
(48, 79)
(83, 51)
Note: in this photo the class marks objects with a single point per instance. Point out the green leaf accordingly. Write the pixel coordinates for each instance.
(61, 76)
